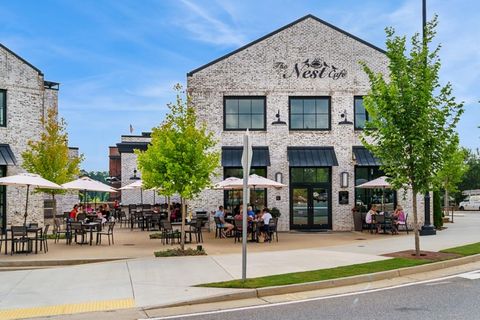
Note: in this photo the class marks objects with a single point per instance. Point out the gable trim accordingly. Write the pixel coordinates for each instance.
(191, 73)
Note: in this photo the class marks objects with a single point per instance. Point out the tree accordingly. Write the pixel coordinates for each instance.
(413, 118)
(180, 158)
(49, 156)
(453, 169)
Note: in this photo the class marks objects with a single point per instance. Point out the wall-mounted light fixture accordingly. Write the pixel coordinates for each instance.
(278, 122)
(134, 177)
(343, 115)
(344, 179)
(279, 177)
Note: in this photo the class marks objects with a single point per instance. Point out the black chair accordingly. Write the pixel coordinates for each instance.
(237, 230)
(58, 230)
(19, 238)
(168, 233)
(272, 229)
(195, 229)
(219, 227)
(108, 233)
(81, 217)
(43, 237)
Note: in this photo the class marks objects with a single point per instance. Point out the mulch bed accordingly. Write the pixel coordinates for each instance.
(426, 255)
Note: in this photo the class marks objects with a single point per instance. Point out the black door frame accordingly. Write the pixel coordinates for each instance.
(309, 186)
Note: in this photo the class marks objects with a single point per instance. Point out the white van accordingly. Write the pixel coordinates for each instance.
(471, 203)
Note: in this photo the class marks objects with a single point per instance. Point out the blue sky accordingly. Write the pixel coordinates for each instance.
(117, 60)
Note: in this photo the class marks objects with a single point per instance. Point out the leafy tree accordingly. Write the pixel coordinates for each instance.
(413, 118)
(453, 170)
(49, 156)
(180, 158)
(471, 179)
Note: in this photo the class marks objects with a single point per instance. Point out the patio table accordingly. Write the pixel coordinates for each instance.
(91, 226)
(35, 230)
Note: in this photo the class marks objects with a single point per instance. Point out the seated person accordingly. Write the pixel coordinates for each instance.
(369, 218)
(73, 213)
(266, 217)
(220, 214)
(100, 214)
(250, 214)
(89, 209)
(398, 218)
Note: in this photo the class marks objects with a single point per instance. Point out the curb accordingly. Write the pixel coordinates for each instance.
(325, 284)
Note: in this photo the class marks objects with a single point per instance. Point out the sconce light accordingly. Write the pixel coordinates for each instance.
(278, 122)
(344, 179)
(134, 175)
(279, 177)
(343, 115)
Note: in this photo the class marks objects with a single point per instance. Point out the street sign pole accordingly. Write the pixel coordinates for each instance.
(246, 163)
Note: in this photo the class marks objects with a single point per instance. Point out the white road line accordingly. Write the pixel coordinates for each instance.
(188, 315)
(474, 275)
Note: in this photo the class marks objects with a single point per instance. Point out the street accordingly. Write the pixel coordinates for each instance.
(453, 297)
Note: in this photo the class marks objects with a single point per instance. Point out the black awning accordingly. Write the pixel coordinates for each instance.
(311, 157)
(365, 158)
(7, 158)
(128, 147)
(232, 157)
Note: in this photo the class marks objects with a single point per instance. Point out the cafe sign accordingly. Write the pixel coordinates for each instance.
(310, 69)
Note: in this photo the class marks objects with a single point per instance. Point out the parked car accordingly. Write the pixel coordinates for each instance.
(471, 203)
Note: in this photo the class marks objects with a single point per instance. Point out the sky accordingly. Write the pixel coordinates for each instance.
(118, 60)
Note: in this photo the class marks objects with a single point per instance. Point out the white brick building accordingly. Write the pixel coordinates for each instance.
(25, 98)
(309, 73)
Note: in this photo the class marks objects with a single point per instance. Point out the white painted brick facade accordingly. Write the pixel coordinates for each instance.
(251, 72)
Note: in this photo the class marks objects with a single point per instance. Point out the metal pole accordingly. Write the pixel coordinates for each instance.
(244, 217)
(26, 209)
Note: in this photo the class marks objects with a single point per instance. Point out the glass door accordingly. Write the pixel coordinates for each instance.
(310, 207)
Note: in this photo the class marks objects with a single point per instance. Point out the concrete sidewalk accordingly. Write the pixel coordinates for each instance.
(152, 282)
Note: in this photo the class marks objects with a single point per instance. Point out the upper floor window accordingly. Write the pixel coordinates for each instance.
(309, 113)
(241, 113)
(3, 108)
(361, 115)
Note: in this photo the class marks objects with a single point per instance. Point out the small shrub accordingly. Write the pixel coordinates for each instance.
(178, 252)
(275, 212)
(156, 235)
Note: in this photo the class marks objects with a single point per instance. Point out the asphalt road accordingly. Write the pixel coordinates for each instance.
(451, 298)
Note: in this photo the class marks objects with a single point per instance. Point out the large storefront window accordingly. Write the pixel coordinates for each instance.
(3, 199)
(242, 113)
(3, 108)
(361, 115)
(309, 113)
(233, 198)
(364, 198)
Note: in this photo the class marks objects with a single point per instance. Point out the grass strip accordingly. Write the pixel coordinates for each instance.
(467, 250)
(177, 252)
(318, 275)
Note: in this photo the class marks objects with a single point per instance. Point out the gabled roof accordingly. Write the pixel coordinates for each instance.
(21, 59)
(279, 30)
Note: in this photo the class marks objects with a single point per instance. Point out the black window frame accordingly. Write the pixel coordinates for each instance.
(225, 98)
(329, 99)
(4, 109)
(355, 127)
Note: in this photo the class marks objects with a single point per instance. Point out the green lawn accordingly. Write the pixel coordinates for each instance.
(317, 275)
(468, 250)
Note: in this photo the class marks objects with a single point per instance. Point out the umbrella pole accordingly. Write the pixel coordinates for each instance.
(26, 208)
(141, 196)
(383, 199)
(154, 197)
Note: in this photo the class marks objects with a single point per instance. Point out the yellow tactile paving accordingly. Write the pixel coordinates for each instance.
(67, 309)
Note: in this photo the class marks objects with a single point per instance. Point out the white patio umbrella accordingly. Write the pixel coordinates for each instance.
(379, 183)
(229, 183)
(88, 184)
(28, 180)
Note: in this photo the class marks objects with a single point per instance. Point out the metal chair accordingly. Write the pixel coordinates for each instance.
(43, 238)
(57, 229)
(272, 229)
(108, 233)
(78, 230)
(403, 224)
(237, 231)
(19, 237)
(219, 227)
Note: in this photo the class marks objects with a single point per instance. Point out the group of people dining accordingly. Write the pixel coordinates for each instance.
(259, 219)
(102, 212)
(398, 218)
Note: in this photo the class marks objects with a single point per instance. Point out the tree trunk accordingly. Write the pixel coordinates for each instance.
(182, 235)
(446, 201)
(415, 225)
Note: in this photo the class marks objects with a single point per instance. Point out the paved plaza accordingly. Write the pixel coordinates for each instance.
(148, 281)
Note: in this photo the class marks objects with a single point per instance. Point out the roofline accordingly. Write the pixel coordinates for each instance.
(189, 74)
(21, 59)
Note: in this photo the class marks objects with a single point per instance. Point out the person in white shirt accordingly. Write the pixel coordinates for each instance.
(266, 217)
